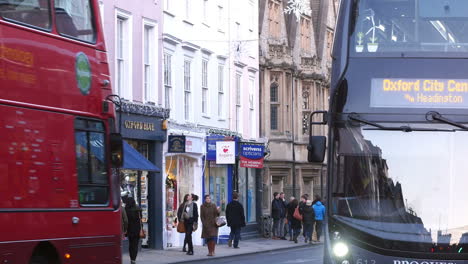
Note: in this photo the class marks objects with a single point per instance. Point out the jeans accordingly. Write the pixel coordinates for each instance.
(318, 228)
(281, 228)
(235, 235)
(133, 242)
(188, 236)
(276, 227)
(308, 228)
(290, 230)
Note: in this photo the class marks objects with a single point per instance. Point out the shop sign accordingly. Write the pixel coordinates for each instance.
(176, 144)
(251, 155)
(139, 125)
(225, 152)
(194, 145)
(142, 127)
(211, 145)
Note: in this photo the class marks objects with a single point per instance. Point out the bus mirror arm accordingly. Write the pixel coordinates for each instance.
(116, 150)
(317, 144)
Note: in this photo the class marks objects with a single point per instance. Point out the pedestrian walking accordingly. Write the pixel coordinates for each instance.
(294, 223)
(319, 210)
(188, 213)
(209, 214)
(302, 204)
(308, 218)
(290, 231)
(124, 220)
(235, 219)
(133, 213)
(316, 199)
(282, 235)
(276, 212)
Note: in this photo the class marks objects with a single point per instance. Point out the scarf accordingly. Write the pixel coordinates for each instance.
(189, 209)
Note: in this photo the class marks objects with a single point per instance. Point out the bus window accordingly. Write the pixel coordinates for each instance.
(91, 163)
(31, 12)
(435, 28)
(74, 19)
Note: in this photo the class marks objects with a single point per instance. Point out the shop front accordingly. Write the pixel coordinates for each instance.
(184, 166)
(141, 173)
(218, 178)
(248, 183)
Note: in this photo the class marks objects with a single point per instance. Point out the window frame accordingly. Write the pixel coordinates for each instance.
(127, 47)
(238, 87)
(187, 88)
(205, 89)
(276, 105)
(167, 79)
(149, 93)
(51, 22)
(221, 90)
(104, 133)
(93, 24)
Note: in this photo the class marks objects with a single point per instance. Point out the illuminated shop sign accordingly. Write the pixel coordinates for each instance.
(419, 93)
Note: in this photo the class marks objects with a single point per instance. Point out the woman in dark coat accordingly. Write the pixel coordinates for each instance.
(308, 217)
(188, 213)
(209, 213)
(134, 226)
(295, 224)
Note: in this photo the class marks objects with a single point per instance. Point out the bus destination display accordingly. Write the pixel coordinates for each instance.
(419, 93)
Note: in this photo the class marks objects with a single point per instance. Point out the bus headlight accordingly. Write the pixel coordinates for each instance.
(340, 249)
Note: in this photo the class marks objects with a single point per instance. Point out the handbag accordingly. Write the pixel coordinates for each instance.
(297, 215)
(181, 227)
(142, 233)
(220, 221)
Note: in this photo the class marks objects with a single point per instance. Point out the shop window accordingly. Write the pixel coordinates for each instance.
(216, 180)
(247, 194)
(180, 171)
(93, 182)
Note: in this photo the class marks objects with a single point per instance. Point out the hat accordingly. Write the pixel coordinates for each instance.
(309, 203)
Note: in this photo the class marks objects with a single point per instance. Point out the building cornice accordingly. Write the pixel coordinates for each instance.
(171, 39)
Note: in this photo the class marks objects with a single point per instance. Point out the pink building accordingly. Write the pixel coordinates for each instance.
(133, 32)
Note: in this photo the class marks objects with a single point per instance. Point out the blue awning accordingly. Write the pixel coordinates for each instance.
(133, 160)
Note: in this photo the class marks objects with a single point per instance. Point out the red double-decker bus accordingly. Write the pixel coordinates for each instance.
(58, 201)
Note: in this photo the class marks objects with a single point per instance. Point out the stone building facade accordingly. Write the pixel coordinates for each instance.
(295, 64)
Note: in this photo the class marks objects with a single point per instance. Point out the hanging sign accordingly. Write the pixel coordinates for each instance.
(225, 152)
(251, 155)
(176, 144)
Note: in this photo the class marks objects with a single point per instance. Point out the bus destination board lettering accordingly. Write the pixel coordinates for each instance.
(419, 93)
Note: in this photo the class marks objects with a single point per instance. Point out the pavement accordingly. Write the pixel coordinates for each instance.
(247, 247)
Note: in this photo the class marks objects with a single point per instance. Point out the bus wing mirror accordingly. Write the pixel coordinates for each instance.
(316, 148)
(116, 149)
(317, 144)
(323, 121)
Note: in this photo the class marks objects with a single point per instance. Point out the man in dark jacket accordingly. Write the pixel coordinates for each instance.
(276, 207)
(235, 219)
(284, 207)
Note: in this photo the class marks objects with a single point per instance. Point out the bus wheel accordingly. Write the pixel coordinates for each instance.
(44, 253)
